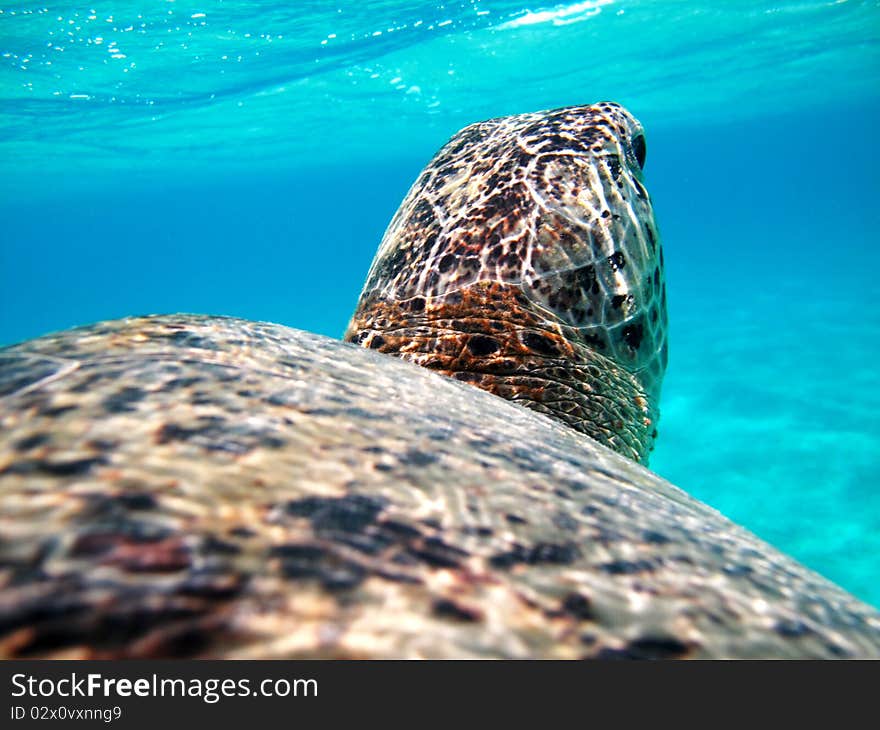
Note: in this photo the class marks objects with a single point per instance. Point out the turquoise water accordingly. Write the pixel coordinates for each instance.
(244, 158)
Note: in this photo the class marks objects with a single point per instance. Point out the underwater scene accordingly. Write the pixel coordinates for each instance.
(243, 158)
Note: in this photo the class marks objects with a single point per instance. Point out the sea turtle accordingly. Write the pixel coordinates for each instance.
(206, 486)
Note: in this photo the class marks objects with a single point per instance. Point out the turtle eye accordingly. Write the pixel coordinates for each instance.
(639, 149)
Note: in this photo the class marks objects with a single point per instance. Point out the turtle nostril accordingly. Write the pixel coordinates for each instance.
(639, 149)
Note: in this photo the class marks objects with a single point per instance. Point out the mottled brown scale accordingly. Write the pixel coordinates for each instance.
(534, 230)
(206, 487)
(488, 334)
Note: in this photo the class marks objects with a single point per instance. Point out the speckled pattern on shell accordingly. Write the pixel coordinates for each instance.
(211, 487)
(526, 260)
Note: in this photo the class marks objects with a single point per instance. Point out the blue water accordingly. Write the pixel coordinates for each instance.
(244, 158)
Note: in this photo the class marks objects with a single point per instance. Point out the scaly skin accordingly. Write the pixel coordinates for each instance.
(525, 260)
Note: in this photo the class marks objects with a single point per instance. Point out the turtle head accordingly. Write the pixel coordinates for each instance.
(529, 244)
